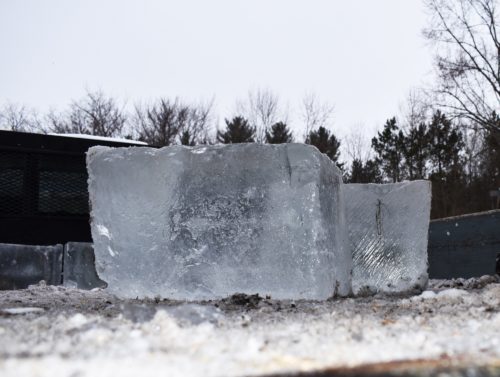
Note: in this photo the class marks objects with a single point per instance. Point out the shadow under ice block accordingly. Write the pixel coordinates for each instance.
(388, 229)
(210, 221)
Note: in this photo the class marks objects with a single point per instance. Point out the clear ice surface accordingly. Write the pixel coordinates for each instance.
(210, 221)
(388, 227)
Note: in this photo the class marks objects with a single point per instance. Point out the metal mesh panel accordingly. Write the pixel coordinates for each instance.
(39, 184)
(62, 185)
(12, 167)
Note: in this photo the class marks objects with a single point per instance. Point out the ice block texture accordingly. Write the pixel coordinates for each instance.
(210, 221)
(22, 265)
(79, 266)
(388, 227)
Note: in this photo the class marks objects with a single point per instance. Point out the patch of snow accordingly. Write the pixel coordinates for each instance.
(427, 295)
(452, 293)
(25, 310)
(77, 320)
(100, 138)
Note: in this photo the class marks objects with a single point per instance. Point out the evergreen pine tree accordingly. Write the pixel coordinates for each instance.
(187, 139)
(367, 172)
(416, 151)
(491, 154)
(326, 143)
(445, 145)
(388, 145)
(238, 130)
(279, 133)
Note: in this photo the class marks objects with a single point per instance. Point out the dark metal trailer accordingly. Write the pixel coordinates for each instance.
(464, 246)
(43, 187)
(43, 206)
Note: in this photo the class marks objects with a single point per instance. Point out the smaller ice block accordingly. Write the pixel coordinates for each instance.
(388, 227)
(22, 265)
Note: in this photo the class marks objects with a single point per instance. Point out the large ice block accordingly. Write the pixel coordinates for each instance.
(210, 221)
(388, 227)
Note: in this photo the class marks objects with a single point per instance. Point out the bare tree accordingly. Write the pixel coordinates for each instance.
(94, 114)
(473, 147)
(465, 34)
(160, 123)
(167, 122)
(358, 145)
(198, 125)
(262, 108)
(416, 109)
(315, 113)
(19, 118)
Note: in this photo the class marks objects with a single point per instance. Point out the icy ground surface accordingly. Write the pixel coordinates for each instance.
(47, 331)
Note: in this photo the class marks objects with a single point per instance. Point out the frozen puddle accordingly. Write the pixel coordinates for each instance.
(95, 334)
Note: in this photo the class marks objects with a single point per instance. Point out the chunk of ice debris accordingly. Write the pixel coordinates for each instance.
(195, 314)
(190, 313)
(23, 310)
(388, 226)
(209, 221)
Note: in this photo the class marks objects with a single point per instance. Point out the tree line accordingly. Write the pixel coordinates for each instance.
(461, 160)
(462, 164)
(167, 121)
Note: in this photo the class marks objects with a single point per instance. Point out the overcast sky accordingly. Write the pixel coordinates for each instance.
(362, 56)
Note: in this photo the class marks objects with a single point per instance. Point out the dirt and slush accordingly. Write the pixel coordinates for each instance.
(451, 329)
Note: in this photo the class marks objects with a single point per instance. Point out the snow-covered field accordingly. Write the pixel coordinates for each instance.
(80, 333)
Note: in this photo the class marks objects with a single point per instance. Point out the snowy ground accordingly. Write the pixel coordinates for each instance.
(80, 333)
